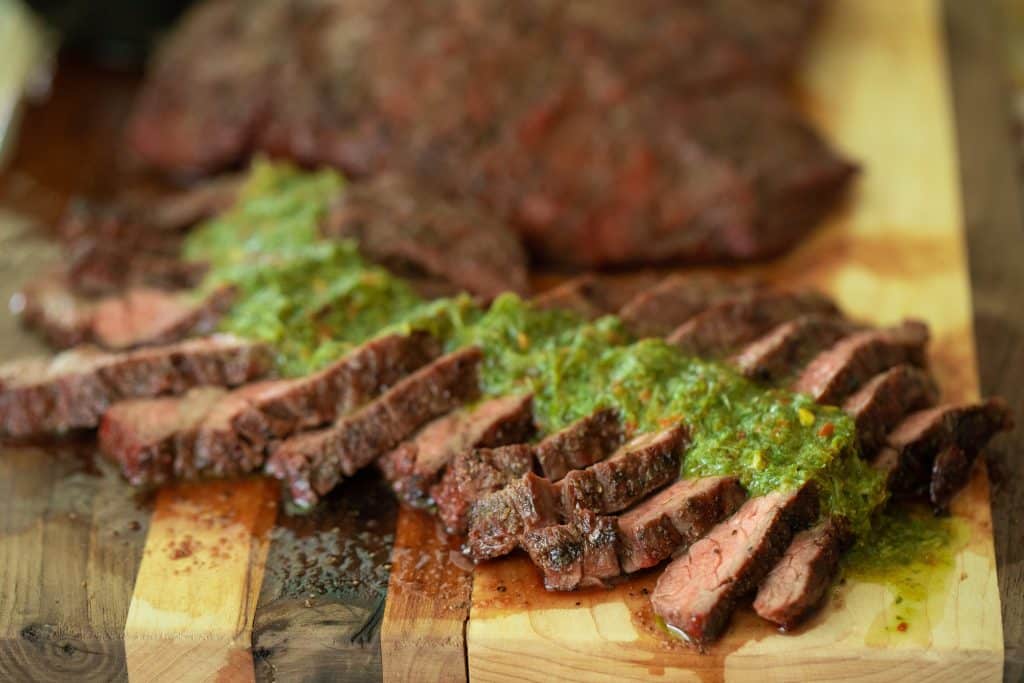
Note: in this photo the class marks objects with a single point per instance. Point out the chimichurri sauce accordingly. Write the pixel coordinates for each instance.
(313, 300)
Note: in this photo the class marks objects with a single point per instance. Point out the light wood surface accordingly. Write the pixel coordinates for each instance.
(876, 83)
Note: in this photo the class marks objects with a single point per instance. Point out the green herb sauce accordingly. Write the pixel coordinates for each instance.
(313, 300)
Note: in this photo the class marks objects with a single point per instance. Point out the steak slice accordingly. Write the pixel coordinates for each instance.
(139, 317)
(580, 554)
(658, 311)
(674, 518)
(399, 224)
(473, 474)
(586, 441)
(77, 386)
(784, 351)
(798, 582)
(147, 437)
(311, 464)
(881, 403)
(584, 295)
(697, 592)
(416, 465)
(950, 473)
(144, 317)
(639, 467)
(231, 435)
(910, 455)
(721, 330)
(498, 521)
(836, 373)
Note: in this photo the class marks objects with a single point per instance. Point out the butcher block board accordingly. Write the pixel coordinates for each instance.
(214, 582)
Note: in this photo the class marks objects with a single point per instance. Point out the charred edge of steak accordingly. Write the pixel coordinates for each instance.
(836, 373)
(579, 554)
(910, 457)
(659, 310)
(584, 296)
(312, 463)
(416, 465)
(788, 347)
(586, 441)
(881, 403)
(798, 583)
(413, 231)
(498, 521)
(674, 518)
(697, 592)
(722, 329)
(76, 387)
(474, 474)
(638, 468)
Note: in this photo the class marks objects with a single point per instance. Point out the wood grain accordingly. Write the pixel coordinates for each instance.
(995, 236)
(320, 606)
(192, 609)
(422, 635)
(875, 82)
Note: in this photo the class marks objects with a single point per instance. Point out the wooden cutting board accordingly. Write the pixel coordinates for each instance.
(214, 582)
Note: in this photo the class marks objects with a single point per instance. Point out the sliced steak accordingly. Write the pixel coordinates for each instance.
(76, 387)
(910, 455)
(657, 311)
(583, 295)
(881, 403)
(950, 473)
(498, 521)
(586, 441)
(399, 224)
(784, 351)
(416, 465)
(472, 475)
(232, 435)
(674, 518)
(697, 592)
(146, 437)
(721, 330)
(311, 464)
(580, 554)
(144, 317)
(138, 317)
(638, 468)
(836, 373)
(797, 584)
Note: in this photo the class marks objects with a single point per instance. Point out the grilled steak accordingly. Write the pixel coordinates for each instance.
(416, 465)
(638, 468)
(414, 232)
(586, 441)
(583, 295)
(498, 521)
(909, 457)
(659, 310)
(699, 165)
(473, 474)
(697, 591)
(674, 518)
(138, 317)
(881, 403)
(580, 554)
(311, 464)
(723, 329)
(950, 473)
(147, 437)
(785, 350)
(232, 435)
(836, 373)
(799, 581)
(76, 387)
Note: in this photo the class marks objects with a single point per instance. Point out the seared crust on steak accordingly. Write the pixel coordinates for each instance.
(784, 351)
(473, 474)
(658, 310)
(881, 403)
(584, 442)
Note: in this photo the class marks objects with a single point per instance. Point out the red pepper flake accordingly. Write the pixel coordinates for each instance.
(902, 627)
(826, 430)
